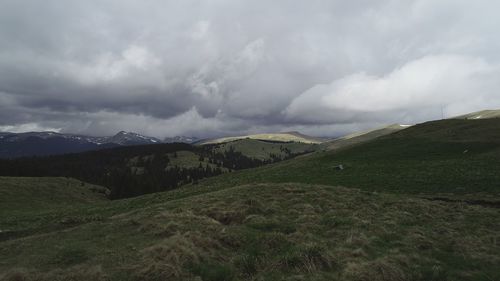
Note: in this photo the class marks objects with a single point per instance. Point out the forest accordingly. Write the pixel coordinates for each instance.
(114, 168)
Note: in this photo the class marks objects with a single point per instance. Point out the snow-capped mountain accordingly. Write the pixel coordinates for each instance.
(129, 138)
(50, 143)
(183, 139)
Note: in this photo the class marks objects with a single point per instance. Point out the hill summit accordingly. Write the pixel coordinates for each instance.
(277, 137)
(483, 114)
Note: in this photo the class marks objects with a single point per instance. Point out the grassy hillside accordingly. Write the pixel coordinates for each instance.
(483, 114)
(187, 159)
(31, 195)
(361, 137)
(277, 137)
(449, 156)
(264, 232)
(137, 170)
(265, 150)
(420, 204)
(455, 130)
(27, 205)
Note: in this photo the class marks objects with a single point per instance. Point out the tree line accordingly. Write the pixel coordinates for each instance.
(111, 167)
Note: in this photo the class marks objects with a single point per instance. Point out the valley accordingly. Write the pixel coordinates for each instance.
(135, 170)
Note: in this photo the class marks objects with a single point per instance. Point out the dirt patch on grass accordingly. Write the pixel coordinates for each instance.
(227, 217)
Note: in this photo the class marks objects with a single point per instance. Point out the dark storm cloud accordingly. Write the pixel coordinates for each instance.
(220, 67)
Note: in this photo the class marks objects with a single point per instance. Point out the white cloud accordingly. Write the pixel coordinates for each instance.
(27, 127)
(132, 61)
(200, 30)
(460, 84)
(322, 66)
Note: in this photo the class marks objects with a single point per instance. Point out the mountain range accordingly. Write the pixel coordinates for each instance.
(396, 203)
(182, 139)
(13, 145)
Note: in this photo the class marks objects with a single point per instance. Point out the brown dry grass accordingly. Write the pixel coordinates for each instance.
(277, 232)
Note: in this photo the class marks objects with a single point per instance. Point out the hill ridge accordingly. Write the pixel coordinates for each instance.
(482, 114)
(279, 137)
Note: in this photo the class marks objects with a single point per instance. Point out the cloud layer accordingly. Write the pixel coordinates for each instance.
(208, 68)
(412, 92)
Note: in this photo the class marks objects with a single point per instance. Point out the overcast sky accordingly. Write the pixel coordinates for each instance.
(223, 67)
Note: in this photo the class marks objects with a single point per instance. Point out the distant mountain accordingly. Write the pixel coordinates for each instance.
(182, 139)
(129, 138)
(278, 137)
(13, 145)
(483, 114)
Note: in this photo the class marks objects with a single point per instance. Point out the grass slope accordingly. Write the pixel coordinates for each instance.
(265, 232)
(262, 150)
(449, 156)
(358, 138)
(19, 195)
(27, 205)
(187, 159)
(258, 225)
(483, 114)
(279, 137)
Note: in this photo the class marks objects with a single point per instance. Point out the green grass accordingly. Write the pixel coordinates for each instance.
(481, 114)
(188, 159)
(261, 149)
(267, 232)
(256, 149)
(361, 137)
(32, 195)
(276, 137)
(31, 206)
(286, 221)
(481, 130)
(456, 157)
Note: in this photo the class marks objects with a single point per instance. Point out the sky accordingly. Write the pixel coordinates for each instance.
(224, 67)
